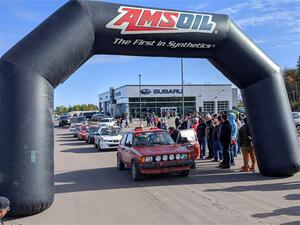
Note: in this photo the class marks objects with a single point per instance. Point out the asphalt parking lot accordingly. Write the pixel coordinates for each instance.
(90, 190)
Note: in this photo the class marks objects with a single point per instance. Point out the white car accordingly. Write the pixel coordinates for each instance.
(109, 122)
(108, 138)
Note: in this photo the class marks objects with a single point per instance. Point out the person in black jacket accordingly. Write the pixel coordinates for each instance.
(173, 133)
(225, 140)
(201, 137)
(209, 136)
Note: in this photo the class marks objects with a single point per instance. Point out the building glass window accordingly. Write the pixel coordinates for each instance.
(209, 107)
(154, 105)
(223, 106)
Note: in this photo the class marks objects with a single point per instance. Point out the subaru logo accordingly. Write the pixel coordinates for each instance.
(145, 91)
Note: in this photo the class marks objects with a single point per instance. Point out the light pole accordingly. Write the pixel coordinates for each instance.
(140, 88)
(182, 100)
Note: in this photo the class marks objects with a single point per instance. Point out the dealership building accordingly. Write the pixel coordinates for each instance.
(210, 98)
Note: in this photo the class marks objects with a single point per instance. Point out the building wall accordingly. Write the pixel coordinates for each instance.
(203, 93)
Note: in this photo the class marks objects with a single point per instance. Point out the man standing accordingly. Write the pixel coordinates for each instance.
(201, 137)
(247, 147)
(173, 133)
(234, 132)
(225, 140)
(4, 207)
(209, 134)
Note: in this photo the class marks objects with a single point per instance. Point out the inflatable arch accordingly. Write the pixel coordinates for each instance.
(48, 55)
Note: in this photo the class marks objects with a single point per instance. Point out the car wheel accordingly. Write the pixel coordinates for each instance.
(298, 129)
(89, 140)
(120, 164)
(184, 173)
(135, 173)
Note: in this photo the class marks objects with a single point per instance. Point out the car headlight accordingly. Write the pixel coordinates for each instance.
(171, 157)
(158, 158)
(148, 159)
(184, 156)
(178, 156)
(165, 157)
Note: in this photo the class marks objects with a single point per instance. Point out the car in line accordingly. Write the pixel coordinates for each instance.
(81, 135)
(109, 122)
(296, 117)
(88, 115)
(76, 122)
(109, 137)
(152, 152)
(97, 117)
(64, 120)
(92, 132)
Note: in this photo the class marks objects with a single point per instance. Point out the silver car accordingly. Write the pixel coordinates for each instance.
(296, 117)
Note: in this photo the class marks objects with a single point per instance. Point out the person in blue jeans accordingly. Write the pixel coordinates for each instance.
(234, 132)
(201, 137)
(216, 142)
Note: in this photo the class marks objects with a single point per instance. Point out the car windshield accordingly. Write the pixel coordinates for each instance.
(152, 138)
(93, 130)
(64, 117)
(81, 119)
(105, 120)
(111, 131)
(296, 115)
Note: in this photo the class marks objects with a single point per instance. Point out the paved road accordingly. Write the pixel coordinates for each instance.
(90, 190)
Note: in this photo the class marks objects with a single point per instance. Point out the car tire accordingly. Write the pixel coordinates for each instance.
(120, 164)
(184, 173)
(298, 129)
(89, 140)
(135, 173)
(99, 147)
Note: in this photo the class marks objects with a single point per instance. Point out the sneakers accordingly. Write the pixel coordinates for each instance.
(244, 169)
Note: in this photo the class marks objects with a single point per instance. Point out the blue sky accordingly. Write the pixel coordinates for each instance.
(274, 25)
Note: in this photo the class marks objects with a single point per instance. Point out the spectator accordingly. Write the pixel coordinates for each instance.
(173, 133)
(164, 124)
(247, 148)
(4, 207)
(216, 143)
(155, 120)
(130, 119)
(201, 137)
(177, 122)
(209, 133)
(225, 140)
(234, 132)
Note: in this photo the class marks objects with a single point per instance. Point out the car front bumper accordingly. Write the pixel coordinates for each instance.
(165, 167)
(109, 145)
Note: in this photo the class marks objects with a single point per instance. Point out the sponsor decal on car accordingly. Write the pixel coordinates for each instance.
(132, 20)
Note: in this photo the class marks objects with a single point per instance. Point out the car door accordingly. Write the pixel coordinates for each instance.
(128, 145)
(121, 148)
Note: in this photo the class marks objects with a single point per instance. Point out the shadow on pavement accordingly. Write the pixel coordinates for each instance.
(292, 223)
(292, 197)
(262, 187)
(82, 150)
(111, 178)
(290, 211)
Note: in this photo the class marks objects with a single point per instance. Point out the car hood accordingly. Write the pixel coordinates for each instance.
(110, 137)
(161, 150)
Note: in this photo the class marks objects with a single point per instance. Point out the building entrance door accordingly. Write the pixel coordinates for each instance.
(168, 111)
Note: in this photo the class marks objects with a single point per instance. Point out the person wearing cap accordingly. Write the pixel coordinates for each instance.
(4, 207)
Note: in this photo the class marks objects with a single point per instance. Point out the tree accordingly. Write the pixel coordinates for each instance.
(84, 107)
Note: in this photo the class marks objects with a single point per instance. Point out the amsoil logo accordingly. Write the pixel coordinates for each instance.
(133, 20)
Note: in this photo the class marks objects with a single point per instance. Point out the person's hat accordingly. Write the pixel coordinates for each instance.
(4, 203)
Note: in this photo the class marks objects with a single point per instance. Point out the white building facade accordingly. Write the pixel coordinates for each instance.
(211, 98)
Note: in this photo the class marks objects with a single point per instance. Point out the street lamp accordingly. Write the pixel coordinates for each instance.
(181, 62)
(140, 87)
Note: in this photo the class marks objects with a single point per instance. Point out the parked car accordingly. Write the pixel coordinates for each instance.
(64, 120)
(92, 131)
(88, 115)
(108, 138)
(188, 138)
(152, 152)
(296, 117)
(81, 135)
(97, 117)
(109, 121)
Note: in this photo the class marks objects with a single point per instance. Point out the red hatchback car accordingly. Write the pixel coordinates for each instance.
(152, 152)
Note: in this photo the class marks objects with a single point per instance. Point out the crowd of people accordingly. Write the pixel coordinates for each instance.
(224, 135)
(221, 136)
